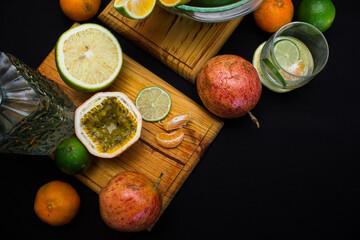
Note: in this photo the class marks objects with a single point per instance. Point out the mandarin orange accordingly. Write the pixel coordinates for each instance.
(170, 140)
(273, 14)
(80, 10)
(56, 203)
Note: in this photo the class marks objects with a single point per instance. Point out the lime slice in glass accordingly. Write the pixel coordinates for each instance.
(134, 9)
(286, 53)
(88, 57)
(153, 103)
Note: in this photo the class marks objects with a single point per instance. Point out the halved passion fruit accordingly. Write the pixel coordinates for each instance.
(107, 124)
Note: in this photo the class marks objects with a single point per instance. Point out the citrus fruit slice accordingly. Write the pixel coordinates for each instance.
(264, 81)
(88, 57)
(153, 103)
(286, 52)
(170, 140)
(72, 157)
(134, 9)
(107, 124)
(176, 121)
(173, 3)
(320, 13)
(56, 203)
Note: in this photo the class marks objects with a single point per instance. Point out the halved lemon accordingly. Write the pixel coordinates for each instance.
(173, 3)
(107, 124)
(134, 9)
(88, 57)
(264, 81)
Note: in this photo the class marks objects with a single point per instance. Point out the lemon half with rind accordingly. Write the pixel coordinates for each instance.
(264, 81)
(135, 9)
(88, 57)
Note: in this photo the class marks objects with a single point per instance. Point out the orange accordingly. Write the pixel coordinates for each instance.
(273, 14)
(56, 203)
(80, 10)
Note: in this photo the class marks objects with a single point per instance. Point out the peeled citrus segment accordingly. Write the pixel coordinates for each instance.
(107, 124)
(134, 9)
(88, 57)
(173, 3)
(286, 52)
(170, 140)
(153, 103)
(176, 121)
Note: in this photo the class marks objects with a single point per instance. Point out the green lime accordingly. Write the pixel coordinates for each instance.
(210, 3)
(72, 157)
(286, 52)
(153, 103)
(320, 13)
(88, 57)
(134, 9)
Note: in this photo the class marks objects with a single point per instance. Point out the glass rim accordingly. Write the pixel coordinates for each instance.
(213, 9)
(286, 26)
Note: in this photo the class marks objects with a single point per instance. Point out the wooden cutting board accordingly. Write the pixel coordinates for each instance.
(146, 156)
(182, 44)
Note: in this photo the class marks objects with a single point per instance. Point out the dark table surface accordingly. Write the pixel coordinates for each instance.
(295, 177)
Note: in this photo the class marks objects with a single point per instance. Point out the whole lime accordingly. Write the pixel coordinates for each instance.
(72, 157)
(320, 13)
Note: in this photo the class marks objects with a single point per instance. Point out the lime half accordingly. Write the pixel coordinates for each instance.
(88, 57)
(134, 9)
(286, 52)
(264, 81)
(153, 103)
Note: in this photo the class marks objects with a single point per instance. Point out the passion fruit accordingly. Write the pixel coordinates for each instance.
(107, 124)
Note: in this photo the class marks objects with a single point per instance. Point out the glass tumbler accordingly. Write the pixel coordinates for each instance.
(309, 50)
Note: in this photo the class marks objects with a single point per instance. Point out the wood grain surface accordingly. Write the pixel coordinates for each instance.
(146, 156)
(182, 44)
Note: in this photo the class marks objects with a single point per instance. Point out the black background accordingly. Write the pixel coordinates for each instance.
(296, 177)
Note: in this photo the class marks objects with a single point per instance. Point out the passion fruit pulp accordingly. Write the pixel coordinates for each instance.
(107, 124)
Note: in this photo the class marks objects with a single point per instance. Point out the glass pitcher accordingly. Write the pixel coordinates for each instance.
(35, 114)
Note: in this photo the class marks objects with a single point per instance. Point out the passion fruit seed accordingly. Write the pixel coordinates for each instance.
(110, 125)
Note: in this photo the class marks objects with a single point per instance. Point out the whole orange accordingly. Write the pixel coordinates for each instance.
(273, 14)
(80, 10)
(56, 203)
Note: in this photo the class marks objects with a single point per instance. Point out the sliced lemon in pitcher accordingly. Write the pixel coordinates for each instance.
(134, 9)
(88, 57)
(173, 3)
(153, 103)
